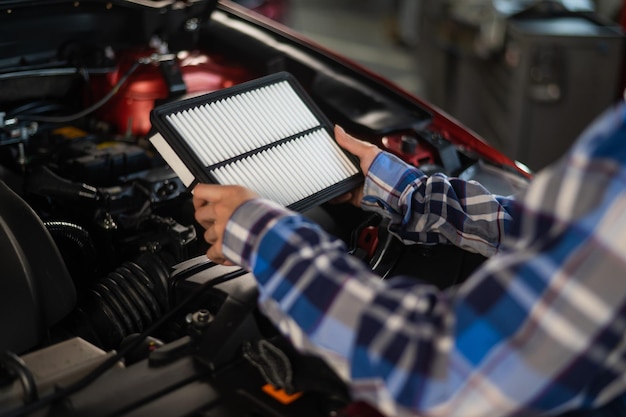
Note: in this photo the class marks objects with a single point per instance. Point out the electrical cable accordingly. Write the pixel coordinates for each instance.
(112, 360)
(90, 109)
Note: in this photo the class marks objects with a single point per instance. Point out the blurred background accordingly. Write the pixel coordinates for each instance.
(526, 75)
(365, 31)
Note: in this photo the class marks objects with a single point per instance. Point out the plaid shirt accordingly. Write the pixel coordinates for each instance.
(539, 326)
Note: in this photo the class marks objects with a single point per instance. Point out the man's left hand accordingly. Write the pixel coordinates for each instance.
(214, 205)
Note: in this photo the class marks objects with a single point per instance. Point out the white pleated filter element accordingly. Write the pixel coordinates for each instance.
(254, 123)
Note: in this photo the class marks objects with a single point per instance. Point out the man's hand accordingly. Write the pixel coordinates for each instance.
(365, 151)
(214, 205)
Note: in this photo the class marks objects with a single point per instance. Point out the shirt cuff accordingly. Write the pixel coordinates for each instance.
(386, 180)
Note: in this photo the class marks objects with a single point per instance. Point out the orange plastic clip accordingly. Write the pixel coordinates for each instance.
(280, 395)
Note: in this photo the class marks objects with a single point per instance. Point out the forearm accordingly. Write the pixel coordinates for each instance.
(435, 209)
(301, 267)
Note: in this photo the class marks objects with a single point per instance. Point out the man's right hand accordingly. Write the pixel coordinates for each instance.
(365, 151)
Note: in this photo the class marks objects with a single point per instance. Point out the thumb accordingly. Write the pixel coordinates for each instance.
(365, 151)
(349, 142)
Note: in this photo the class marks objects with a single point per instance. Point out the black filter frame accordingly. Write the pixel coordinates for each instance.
(202, 173)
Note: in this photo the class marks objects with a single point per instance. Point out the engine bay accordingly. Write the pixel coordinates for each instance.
(91, 210)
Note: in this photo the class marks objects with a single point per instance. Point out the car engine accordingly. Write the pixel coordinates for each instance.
(113, 207)
(109, 223)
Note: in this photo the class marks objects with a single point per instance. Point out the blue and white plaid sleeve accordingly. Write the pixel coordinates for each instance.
(436, 209)
(539, 327)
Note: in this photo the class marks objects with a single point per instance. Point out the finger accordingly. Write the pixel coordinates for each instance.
(357, 197)
(209, 193)
(214, 253)
(210, 235)
(205, 215)
(342, 198)
(196, 199)
(198, 203)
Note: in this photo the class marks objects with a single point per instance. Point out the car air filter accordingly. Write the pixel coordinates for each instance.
(266, 134)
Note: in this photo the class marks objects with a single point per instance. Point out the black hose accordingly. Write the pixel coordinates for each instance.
(123, 351)
(77, 249)
(73, 233)
(16, 367)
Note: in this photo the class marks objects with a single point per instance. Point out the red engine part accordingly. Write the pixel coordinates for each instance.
(368, 240)
(410, 149)
(129, 110)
